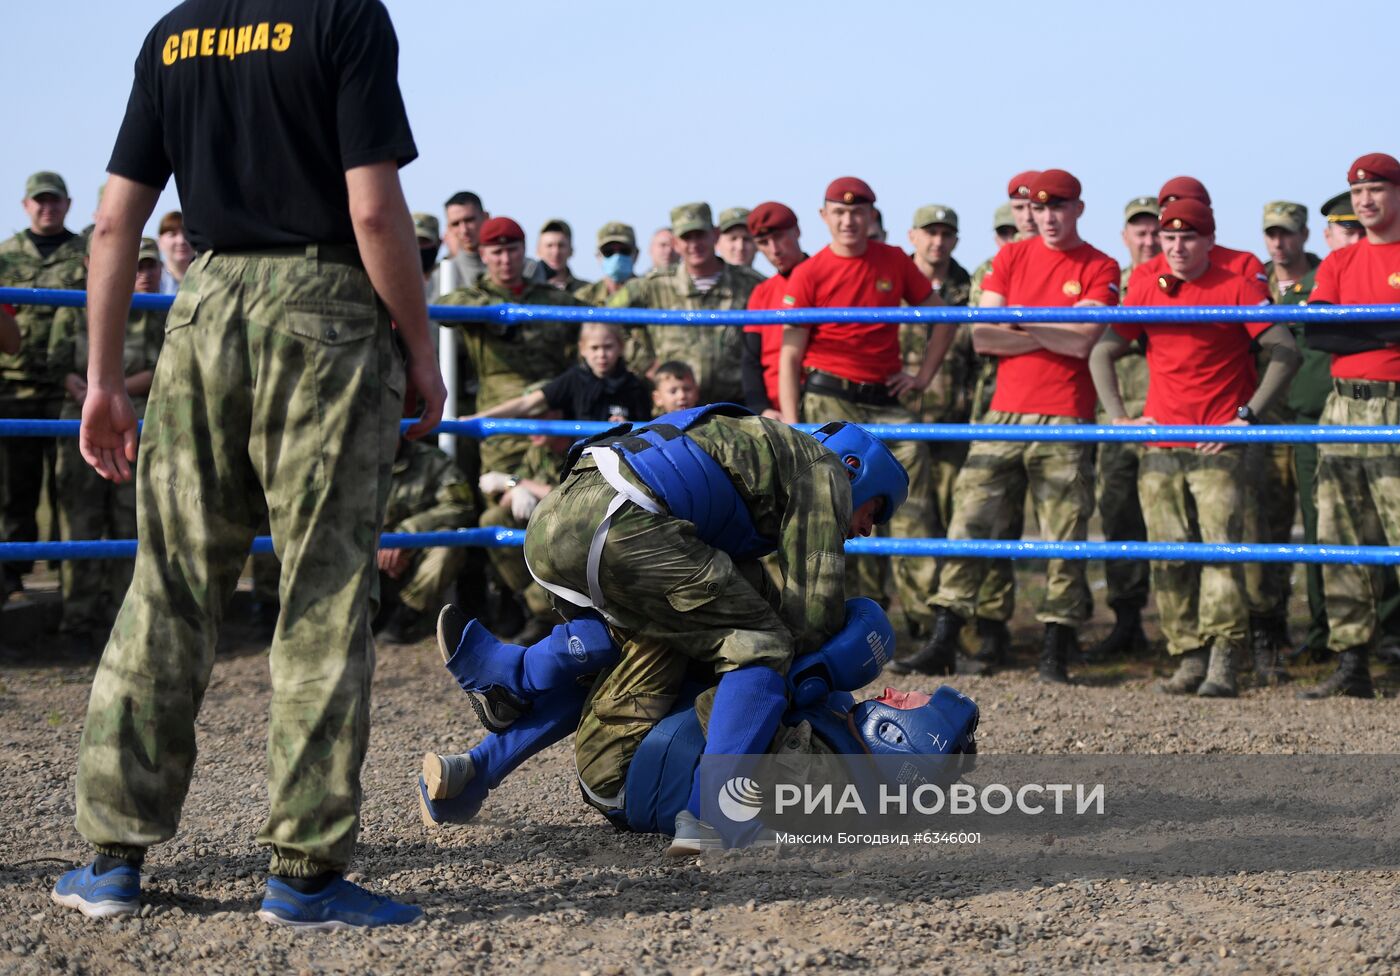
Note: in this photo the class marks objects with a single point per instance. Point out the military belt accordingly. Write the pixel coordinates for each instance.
(871, 394)
(1366, 389)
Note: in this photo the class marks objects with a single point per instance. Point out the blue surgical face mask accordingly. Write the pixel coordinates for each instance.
(618, 267)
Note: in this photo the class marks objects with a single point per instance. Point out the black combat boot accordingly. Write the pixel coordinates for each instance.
(939, 655)
(1060, 641)
(1267, 651)
(993, 647)
(1352, 679)
(1126, 637)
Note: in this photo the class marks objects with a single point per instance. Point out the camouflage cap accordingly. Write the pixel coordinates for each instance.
(1292, 217)
(558, 224)
(691, 216)
(935, 213)
(1138, 206)
(617, 232)
(148, 250)
(44, 182)
(1003, 217)
(425, 227)
(733, 217)
(1340, 209)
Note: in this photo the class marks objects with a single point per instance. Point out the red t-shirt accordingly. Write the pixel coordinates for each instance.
(1031, 274)
(1363, 274)
(1242, 263)
(1198, 372)
(882, 277)
(769, 295)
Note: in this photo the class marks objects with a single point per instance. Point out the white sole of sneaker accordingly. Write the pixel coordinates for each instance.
(435, 776)
(95, 909)
(275, 919)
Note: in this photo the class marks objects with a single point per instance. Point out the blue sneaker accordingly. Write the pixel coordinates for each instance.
(339, 905)
(449, 791)
(118, 892)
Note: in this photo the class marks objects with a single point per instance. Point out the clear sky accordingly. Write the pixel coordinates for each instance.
(596, 112)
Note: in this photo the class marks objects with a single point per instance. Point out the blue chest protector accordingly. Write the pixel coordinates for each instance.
(689, 482)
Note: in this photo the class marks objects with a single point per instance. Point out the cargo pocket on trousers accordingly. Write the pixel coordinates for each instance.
(698, 591)
(182, 310)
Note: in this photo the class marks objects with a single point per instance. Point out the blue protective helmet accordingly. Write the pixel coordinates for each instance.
(874, 471)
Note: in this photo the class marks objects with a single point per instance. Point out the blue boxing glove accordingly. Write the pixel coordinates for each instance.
(848, 661)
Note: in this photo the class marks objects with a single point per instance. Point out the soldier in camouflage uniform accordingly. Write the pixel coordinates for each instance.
(46, 255)
(278, 393)
(617, 250)
(427, 493)
(700, 280)
(509, 360)
(1119, 508)
(89, 507)
(1358, 485)
(513, 496)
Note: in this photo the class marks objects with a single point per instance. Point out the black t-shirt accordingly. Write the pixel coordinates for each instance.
(46, 244)
(259, 107)
(583, 396)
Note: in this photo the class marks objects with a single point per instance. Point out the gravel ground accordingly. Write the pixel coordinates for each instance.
(543, 885)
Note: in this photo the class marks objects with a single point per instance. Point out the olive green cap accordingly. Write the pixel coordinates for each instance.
(1340, 209)
(45, 182)
(935, 213)
(617, 232)
(691, 216)
(1138, 206)
(1292, 217)
(733, 217)
(148, 249)
(425, 227)
(558, 224)
(1003, 217)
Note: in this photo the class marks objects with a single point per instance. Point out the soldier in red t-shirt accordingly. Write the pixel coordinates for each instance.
(1358, 485)
(1198, 373)
(775, 233)
(1042, 378)
(855, 371)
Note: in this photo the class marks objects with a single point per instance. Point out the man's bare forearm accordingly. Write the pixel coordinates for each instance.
(389, 249)
(116, 236)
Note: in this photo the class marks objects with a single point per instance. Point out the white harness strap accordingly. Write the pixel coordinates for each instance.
(609, 466)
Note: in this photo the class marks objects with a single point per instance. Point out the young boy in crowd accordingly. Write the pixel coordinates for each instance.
(675, 388)
(598, 388)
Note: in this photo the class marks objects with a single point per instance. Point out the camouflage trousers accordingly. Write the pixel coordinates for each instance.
(23, 461)
(1188, 496)
(278, 393)
(1358, 504)
(1270, 507)
(672, 602)
(1121, 513)
(915, 577)
(510, 566)
(990, 496)
(424, 585)
(90, 507)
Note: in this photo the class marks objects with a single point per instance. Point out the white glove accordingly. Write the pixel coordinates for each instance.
(522, 503)
(493, 483)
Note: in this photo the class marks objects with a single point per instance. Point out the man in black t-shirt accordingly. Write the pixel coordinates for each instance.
(278, 394)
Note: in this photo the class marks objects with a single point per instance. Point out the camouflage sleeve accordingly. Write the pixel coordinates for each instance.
(453, 504)
(63, 342)
(631, 295)
(811, 553)
(155, 337)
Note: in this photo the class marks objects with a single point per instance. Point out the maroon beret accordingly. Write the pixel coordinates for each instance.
(1020, 185)
(1182, 188)
(1185, 213)
(849, 189)
(501, 230)
(1374, 166)
(1054, 184)
(769, 217)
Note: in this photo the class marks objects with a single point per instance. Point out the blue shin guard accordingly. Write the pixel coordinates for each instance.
(749, 702)
(553, 718)
(572, 650)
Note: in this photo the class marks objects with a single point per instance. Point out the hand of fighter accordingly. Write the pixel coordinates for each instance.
(107, 438)
(426, 379)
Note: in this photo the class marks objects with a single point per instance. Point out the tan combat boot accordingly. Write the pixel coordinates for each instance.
(1190, 672)
(1220, 675)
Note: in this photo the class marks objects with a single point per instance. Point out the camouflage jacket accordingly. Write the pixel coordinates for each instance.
(509, 359)
(541, 464)
(26, 374)
(428, 493)
(800, 495)
(714, 352)
(1313, 382)
(948, 399)
(68, 347)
